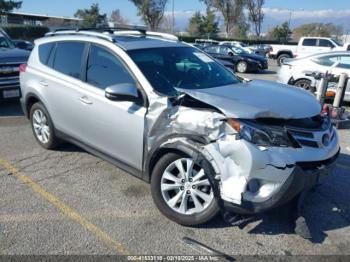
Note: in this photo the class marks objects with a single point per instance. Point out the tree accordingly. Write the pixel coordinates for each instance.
(117, 18)
(8, 6)
(195, 25)
(91, 17)
(255, 14)
(210, 25)
(203, 25)
(231, 10)
(151, 11)
(317, 29)
(280, 32)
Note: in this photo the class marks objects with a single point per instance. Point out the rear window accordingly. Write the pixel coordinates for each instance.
(44, 52)
(309, 42)
(68, 58)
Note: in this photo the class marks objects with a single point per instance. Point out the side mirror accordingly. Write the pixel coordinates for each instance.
(122, 92)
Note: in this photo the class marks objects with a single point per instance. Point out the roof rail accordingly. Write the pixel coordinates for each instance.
(104, 34)
(109, 32)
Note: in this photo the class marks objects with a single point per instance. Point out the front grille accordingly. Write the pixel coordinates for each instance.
(9, 75)
(312, 138)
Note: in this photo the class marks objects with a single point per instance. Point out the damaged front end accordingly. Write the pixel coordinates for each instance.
(254, 164)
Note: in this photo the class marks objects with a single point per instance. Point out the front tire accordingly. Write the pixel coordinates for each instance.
(42, 126)
(181, 190)
(303, 83)
(242, 67)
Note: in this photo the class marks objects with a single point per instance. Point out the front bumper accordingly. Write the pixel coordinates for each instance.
(9, 89)
(305, 175)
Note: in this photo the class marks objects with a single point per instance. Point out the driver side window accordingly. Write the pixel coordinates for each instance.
(104, 69)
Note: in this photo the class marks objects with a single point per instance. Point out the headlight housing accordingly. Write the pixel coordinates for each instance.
(263, 135)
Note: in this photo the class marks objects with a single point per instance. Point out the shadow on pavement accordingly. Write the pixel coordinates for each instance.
(10, 108)
(326, 208)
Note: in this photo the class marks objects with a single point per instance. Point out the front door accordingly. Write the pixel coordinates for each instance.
(114, 128)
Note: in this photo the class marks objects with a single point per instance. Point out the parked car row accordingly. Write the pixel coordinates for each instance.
(295, 71)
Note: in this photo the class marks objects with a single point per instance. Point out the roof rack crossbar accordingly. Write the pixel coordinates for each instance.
(83, 32)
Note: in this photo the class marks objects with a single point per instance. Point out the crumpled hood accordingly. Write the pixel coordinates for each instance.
(259, 99)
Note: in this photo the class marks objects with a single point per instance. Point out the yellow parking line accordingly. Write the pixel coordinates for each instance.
(66, 210)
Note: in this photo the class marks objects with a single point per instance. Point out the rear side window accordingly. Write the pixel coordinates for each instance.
(44, 52)
(104, 69)
(68, 58)
(309, 42)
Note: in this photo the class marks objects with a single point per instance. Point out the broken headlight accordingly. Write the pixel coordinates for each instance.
(262, 135)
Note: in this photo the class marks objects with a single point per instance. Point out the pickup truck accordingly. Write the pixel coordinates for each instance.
(11, 58)
(306, 46)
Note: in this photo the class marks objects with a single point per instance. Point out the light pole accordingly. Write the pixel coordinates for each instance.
(173, 17)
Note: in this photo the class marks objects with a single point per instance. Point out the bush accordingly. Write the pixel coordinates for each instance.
(26, 32)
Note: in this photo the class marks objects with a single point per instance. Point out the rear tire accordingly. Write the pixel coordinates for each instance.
(186, 203)
(303, 83)
(42, 127)
(281, 58)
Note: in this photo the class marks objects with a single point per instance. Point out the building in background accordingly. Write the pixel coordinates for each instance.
(18, 18)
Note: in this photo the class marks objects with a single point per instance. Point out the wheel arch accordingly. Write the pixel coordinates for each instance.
(29, 101)
(284, 52)
(188, 145)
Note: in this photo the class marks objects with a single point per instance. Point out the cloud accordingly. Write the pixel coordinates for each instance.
(303, 14)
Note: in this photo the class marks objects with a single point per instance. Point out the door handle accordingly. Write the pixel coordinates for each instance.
(43, 83)
(85, 100)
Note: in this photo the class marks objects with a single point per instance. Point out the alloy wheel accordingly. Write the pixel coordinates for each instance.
(41, 126)
(186, 188)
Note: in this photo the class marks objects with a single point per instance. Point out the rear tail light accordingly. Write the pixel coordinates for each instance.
(22, 68)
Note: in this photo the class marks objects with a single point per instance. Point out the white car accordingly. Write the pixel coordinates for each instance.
(293, 72)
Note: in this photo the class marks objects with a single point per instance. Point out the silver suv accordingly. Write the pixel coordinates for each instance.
(168, 113)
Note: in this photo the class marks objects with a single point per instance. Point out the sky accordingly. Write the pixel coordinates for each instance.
(277, 11)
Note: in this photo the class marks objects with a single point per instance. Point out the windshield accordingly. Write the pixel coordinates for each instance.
(238, 50)
(338, 42)
(180, 67)
(5, 43)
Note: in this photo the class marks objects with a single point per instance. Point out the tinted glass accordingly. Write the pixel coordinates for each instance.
(344, 62)
(180, 67)
(212, 49)
(44, 52)
(68, 58)
(224, 50)
(104, 69)
(326, 60)
(325, 43)
(309, 42)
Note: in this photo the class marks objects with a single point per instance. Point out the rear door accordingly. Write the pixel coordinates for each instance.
(308, 46)
(114, 128)
(61, 84)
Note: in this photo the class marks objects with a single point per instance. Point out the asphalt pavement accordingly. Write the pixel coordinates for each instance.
(68, 201)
